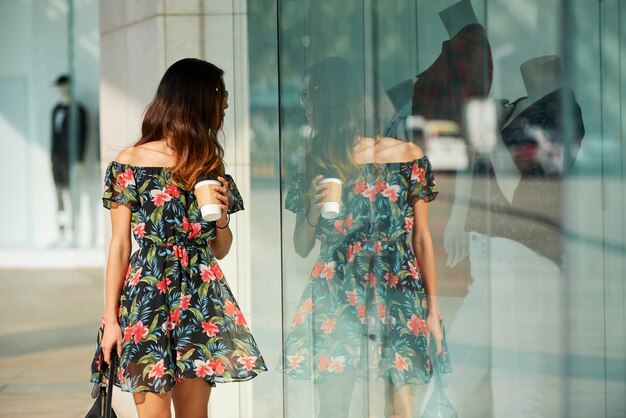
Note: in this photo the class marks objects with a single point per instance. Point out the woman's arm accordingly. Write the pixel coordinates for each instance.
(425, 256)
(117, 264)
(220, 245)
(304, 232)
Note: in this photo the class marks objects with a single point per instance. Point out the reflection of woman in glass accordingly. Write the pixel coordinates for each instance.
(367, 307)
(169, 314)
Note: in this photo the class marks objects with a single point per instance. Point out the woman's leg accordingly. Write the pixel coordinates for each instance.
(400, 401)
(334, 396)
(191, 398)
(153, 405)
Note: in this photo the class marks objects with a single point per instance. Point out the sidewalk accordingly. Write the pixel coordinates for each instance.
(47, 336)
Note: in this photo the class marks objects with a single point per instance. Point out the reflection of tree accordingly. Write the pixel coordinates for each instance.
(314, 30)
(262, 41)
(262, 53)
(311, 31)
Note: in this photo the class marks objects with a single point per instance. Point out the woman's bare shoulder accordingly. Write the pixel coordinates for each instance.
(127, 156)
(400, 150)
(413, 151)
(151, 154)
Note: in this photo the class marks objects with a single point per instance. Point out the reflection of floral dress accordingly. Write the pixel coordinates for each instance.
(364, 306)
(178, 316)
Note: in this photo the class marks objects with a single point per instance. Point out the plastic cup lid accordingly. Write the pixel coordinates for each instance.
(330, 180)
(204, 182)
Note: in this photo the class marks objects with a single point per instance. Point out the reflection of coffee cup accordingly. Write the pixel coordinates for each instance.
(332, 201)
(208, 203)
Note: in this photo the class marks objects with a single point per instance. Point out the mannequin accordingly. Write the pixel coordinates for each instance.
(515, 249)
(457, 16)
(542, 76)
(543, 150)
(61, 152)
(462, 71)
(468, 48)
(526, 236)
(460, 22)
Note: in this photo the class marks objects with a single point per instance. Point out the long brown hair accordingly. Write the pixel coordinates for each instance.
(187, 109)
(339, 114)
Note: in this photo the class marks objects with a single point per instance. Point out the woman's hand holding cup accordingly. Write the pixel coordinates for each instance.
(331, 203)
(213, 200)
(324, 198)
(221, 194)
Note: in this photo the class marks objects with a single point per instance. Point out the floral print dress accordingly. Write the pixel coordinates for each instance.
(364, 307)
(178, 316)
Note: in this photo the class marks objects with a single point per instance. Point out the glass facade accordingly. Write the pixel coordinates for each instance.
(518, 106)
(519, 110)
(49, 122)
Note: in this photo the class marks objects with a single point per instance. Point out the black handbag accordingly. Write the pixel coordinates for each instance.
(103, 394)
(439, 405)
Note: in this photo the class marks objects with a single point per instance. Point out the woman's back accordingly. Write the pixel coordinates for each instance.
(162, 211)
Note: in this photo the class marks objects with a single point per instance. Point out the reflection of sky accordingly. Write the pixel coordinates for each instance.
(265, 94)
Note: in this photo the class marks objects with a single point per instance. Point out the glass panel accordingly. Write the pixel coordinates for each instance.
(48, 78)
(594, 210)
(518, 108)
(315, 334)
(354, 308)
(265, 204)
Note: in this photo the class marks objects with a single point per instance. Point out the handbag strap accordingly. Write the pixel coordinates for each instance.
(435, 360)
(109, 397)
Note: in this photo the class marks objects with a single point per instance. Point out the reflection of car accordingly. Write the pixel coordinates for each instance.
(447, 152)
(445, 148)
(537, 152)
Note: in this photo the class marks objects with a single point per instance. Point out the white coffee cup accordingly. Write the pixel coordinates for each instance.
(205, 195)
(332, 202)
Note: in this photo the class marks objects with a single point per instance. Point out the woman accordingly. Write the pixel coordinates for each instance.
(169, 314)
(367, 307)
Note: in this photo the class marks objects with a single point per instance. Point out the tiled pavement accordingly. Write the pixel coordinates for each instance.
(48, 326)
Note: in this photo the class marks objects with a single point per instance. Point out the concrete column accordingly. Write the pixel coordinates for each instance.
(139, 40)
